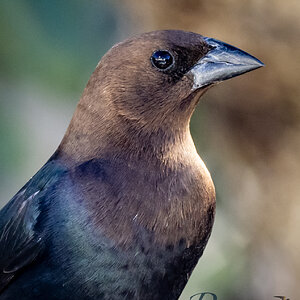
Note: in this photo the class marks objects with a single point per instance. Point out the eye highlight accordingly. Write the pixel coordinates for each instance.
(162, 59)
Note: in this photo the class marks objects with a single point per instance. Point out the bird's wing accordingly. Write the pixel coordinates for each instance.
(20, 241)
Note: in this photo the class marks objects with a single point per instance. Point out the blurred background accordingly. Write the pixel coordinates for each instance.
(247, 130)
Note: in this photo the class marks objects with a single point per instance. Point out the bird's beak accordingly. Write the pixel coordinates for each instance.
(222, 62)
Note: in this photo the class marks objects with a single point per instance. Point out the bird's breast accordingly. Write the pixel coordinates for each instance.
(130, 202)
(145, 226)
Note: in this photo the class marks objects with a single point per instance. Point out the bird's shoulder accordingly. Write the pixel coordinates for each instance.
(21, 236)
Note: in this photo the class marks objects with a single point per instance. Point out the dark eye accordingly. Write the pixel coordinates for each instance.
(162, 59)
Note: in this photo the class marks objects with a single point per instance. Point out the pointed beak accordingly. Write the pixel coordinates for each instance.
(222, 62)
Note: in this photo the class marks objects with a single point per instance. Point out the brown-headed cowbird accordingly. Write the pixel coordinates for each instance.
(125, 206)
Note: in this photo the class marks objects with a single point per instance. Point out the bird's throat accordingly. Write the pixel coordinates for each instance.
(91, 135)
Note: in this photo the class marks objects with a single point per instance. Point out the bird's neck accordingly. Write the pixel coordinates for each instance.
(96, 135)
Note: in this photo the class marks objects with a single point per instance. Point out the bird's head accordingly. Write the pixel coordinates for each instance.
(156, 78)
(152, 82)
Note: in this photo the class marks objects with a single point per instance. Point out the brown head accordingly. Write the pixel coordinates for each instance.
(144, 91)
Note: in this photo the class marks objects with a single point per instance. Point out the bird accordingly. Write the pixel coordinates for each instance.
(125, 206)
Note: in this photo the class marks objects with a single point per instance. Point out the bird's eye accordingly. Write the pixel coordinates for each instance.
(162, 59)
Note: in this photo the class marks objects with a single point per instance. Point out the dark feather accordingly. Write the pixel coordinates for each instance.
(20, 242)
